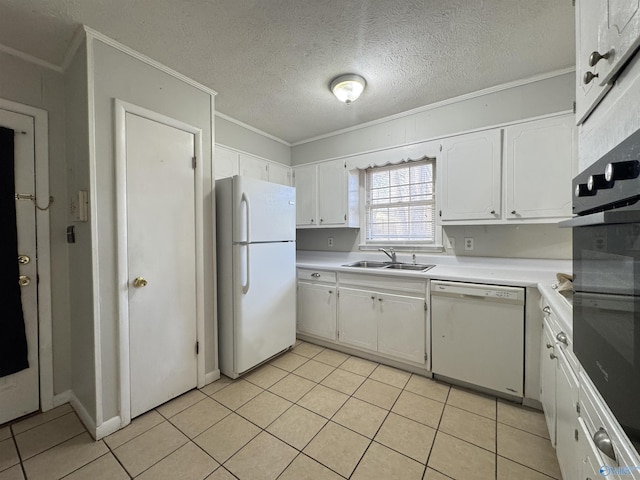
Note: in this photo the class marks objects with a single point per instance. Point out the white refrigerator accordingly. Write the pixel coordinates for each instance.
(256, 264)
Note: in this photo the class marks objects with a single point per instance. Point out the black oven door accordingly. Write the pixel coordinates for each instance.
(606, 312)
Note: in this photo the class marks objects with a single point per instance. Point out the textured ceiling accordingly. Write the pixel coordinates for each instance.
(271, 60)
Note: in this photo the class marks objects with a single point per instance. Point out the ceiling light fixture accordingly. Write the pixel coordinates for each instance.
(347, 88)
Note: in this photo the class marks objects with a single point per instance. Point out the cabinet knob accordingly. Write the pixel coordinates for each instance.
(549, 345)
(562, 338)
(23, 280)
(330, 292)
(552, 356)
(321, 220)
(588, 77)
(492, 212)
(546, 309)
(372, 297)
(603, 442)
(595, 57)
(513, 212)
(315, 275)
(312, 220)
(379, 299)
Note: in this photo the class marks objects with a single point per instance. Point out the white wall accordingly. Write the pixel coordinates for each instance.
(39, 87)
(497, 106)
(118, 75)
(81, 299)
(234, 135)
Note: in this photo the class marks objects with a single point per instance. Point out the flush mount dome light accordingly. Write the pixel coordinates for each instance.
(347, 88)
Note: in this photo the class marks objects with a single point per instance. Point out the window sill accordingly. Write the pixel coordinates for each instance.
(403, 248)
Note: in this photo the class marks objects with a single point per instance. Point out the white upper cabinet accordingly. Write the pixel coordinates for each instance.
(254, 167)
(306, 195)
(607, 35)
(589, 89)
(323, 195)
(279, 174)
(225, 162)
(539, 160)
(471, 176)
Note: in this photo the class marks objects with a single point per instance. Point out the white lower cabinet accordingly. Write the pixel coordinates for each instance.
(567, 389)
(358, 314)
(317, 307)
(548, 380)
(401, 326)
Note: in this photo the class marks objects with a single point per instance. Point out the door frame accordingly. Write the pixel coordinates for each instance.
(43, 247)
(121, 108)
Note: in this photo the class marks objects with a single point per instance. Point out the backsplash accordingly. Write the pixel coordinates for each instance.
(507, 241)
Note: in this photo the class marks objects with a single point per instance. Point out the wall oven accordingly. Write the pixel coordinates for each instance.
(606, 267)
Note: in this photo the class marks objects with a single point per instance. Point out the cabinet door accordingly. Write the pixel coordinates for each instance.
(279, 174)
(306, 192)
(621, 33)
(471, 176)
(332, 191)
(317, 310)
(539, 160)
(401, 327)
(358, 317)
(254, 167)
(548, 380)
(225, 162)
(589, 91)
(567, 389)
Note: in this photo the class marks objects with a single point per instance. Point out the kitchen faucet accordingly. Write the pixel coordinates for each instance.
(389, 253)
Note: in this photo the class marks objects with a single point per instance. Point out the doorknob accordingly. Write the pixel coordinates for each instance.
(139, 282)
(23, 280)
(23, 259)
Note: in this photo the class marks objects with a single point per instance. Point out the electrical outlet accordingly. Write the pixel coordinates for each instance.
(330, 241)
(451, 243)
(468, 243)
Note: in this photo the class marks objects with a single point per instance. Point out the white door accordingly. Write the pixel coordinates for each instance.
(358, 314)
(401, 327)
(253, 167)
(306, 195)
(19, 392)
(317, 309)
(161, 251)
(265, 283)
(471, 176)
(332, 189)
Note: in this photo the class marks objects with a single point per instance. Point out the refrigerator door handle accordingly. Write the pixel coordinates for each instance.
(245, 287)
(245, 199)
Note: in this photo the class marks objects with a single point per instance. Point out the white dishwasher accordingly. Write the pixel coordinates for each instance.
(477, 335)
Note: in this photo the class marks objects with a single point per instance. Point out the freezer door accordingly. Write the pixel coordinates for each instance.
(265, 301)
(263, 211)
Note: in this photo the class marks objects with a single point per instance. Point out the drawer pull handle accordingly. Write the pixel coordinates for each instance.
(315, 275)
(603, 442)
(562, 338)
(546, 309)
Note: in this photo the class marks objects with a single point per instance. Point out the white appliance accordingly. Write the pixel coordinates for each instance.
(477, 335)
(256, 246)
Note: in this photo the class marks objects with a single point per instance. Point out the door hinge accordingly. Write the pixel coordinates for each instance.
(578, 408)
(573, 2)
(440, 146)
(574, 106)
(425, 356)
(194, 162)
(575, 434)
(440, 213)
(197, 348)
(345, 217)
(425, 306)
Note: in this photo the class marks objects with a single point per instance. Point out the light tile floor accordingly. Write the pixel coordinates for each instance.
(310, 414)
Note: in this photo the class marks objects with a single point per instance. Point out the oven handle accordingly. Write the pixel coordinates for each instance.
(609, 217)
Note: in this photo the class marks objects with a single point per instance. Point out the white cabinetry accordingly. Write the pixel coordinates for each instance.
(322, 195)
(607, 36)
(548, 379)
(317, 293)
(539, 163)
(471, 176)
(229, 162)
(383, 315)
(519, 174)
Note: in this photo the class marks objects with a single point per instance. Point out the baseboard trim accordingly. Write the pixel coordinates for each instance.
(211, 377)
(107, 428)
(82, 412)
(61, 398)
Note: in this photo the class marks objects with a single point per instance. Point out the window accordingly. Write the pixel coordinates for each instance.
(400, 204)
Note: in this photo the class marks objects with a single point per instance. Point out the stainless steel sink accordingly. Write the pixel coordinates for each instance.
(394, 266)
(367, 264)
(410, 266)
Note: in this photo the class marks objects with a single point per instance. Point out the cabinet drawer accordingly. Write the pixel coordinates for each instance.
(596, 415)
(379, 282)
(316, 275)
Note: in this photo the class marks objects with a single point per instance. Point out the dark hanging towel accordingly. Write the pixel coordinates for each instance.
(13, 340)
